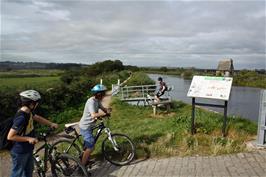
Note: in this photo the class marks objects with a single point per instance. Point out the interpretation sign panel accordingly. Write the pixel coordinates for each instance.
(210, 87)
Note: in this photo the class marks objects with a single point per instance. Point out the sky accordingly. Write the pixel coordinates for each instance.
(143, 33)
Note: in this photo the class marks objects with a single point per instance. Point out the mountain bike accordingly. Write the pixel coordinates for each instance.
(117, 148)
(60, 164)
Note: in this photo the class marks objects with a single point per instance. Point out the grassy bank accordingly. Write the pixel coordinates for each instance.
(168, 134)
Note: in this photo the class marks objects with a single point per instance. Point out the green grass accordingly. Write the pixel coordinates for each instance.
(140, 78)
(168, 134)
(28, 82)
(30, 73)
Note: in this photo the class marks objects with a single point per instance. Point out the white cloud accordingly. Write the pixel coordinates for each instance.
(172, 33)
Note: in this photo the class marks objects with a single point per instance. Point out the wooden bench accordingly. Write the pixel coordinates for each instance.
(167, 104)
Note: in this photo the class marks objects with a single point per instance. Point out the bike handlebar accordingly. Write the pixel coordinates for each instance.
(43, 135)
(106, 116)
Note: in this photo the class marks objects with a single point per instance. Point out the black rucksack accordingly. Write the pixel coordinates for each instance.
(5, 126)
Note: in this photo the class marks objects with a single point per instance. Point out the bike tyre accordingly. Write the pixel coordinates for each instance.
(61, 167)
(73, 151)
(108, 155)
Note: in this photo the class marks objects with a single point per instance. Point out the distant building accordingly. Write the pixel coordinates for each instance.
(225, 68)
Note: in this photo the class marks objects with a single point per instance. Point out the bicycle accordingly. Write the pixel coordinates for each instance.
(61, 164)
(117, 148)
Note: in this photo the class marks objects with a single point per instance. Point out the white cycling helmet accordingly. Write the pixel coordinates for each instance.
(30, 95)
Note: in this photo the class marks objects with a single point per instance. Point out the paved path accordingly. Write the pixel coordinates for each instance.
(241, 164)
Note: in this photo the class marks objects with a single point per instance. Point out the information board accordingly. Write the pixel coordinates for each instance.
(210, 87)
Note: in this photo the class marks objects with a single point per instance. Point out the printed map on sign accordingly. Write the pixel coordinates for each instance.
(210, 87)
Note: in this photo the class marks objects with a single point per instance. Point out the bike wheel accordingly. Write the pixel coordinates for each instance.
(67, 165)
(38, 171)
(66, 146)
(119, 152)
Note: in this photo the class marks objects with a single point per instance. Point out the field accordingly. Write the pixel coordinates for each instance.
(26, 79)
(27, 82)
(30, 73)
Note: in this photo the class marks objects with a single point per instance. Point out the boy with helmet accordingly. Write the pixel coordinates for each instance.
(88, 120)
(22, 133)
(162, 89)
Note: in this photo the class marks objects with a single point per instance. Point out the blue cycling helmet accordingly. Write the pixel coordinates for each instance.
(98, 88)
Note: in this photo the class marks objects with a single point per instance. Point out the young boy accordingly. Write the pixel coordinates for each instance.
(90, 115)
(22, 133)
(162, 89)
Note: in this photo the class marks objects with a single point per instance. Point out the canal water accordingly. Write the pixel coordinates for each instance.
(244, 101)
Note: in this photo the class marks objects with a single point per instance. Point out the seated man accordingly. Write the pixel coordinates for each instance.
(161, 90)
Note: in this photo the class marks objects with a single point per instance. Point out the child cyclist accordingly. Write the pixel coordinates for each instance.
(88, 120)
(22, 133)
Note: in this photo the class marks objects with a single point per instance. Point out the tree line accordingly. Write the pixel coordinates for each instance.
(71, 91)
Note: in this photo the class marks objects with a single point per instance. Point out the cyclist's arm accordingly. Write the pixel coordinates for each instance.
(95, 115)
(44, 121)
(105, 110)
(13, 136)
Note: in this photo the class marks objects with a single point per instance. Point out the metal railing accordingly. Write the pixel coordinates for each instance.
(141, 91)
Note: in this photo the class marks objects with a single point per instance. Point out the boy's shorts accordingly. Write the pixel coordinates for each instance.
(159, 93)
(88, 137)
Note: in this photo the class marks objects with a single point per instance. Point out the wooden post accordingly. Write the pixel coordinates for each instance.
(154, 110)
(168, 107)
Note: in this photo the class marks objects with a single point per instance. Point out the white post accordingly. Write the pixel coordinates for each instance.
(261, 141)
(118, 82)
(112, 88)
(101, 81)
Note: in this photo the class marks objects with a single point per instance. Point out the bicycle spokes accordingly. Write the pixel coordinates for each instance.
(118, 149)
(66, 166)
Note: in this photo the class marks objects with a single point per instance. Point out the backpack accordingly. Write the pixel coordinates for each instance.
(5, 126)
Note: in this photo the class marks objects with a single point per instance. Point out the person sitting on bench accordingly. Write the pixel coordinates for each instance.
(161, 90)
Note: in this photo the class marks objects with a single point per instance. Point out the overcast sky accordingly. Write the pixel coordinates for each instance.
(144, 33)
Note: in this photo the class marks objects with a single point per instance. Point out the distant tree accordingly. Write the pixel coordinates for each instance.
(164, 69)
(187, 74)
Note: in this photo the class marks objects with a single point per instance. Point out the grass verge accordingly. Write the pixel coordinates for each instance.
(168, 134)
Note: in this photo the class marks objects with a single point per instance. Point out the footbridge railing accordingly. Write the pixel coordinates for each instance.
(140, 93)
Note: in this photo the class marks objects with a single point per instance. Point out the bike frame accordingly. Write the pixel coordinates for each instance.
(47, 157)
(100, 128)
